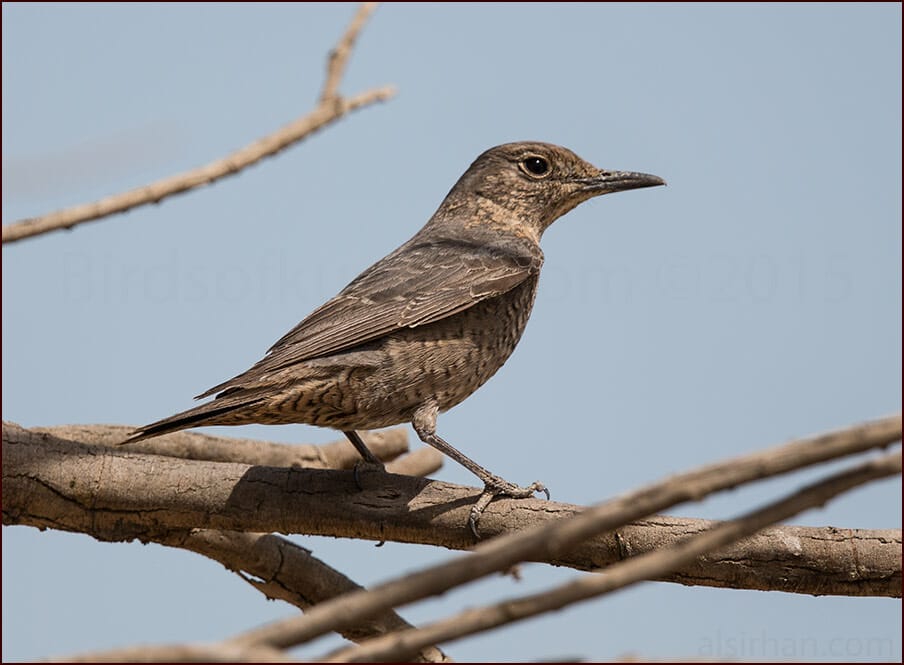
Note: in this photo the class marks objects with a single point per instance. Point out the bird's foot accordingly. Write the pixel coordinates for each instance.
(497, 486)
(363, 466)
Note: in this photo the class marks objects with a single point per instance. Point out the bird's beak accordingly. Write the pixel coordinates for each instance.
(616, 181)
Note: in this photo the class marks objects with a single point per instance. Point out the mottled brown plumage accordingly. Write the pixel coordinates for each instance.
(424, 327)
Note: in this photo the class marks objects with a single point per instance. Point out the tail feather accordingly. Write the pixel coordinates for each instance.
(207, 414)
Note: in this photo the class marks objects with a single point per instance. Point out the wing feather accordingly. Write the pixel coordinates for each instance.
(418, 284)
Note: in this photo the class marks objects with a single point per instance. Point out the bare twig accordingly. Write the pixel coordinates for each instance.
(398, 646)
(49, 482)
(386, 444)
(331, 108)
(340, 54)
(549, 540)
(180, 653)
(390, 445)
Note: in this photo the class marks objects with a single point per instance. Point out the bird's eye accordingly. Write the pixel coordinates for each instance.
(535, 166)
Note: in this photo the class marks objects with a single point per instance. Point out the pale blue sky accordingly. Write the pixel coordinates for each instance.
(755, 299)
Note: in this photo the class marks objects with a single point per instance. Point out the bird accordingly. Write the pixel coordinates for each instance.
(424, 327)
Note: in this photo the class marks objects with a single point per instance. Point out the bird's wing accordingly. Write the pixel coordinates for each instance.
(416, 285)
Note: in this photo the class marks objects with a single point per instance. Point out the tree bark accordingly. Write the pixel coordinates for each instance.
(115, 495)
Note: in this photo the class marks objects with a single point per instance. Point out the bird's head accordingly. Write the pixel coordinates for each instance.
(528, 185)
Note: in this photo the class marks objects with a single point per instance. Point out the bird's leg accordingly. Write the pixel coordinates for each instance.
(368, 460)
(424, 423)
(364, 451)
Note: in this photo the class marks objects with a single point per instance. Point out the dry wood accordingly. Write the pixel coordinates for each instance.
(399, 646)
(386, 444)
(330, 108)
(50, 482)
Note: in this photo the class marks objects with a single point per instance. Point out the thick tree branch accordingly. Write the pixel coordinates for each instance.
(399, 646)
(273, 565)
(550, 540)
(114, 495)
(330, 108)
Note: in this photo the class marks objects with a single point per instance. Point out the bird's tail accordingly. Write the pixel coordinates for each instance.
(217, 412)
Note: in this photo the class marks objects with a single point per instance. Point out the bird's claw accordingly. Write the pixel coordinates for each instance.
(365, 466)
(500, 487)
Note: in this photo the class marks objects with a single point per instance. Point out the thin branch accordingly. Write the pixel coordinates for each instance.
(340, 54)
(329, 110)
(282, 570)
(107, 493)
(398, 646)
(420, 462)
(180, 653)
(386, 444)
